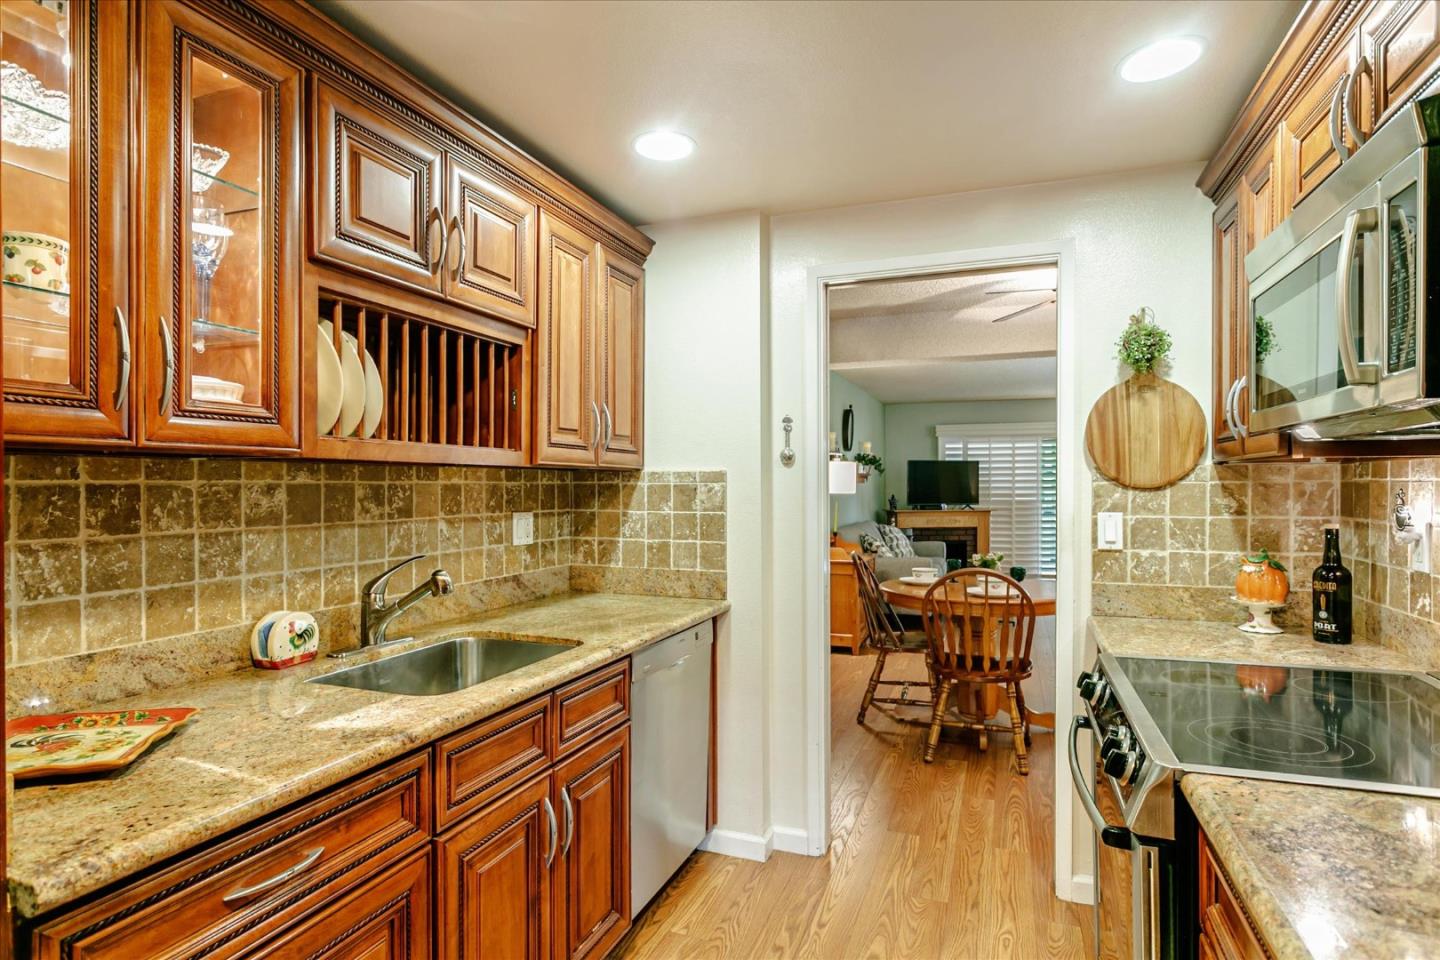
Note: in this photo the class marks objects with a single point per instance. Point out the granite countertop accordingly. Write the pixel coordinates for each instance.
(1327, 873)
(265, 739)
(1323, 872)
(1206, 640)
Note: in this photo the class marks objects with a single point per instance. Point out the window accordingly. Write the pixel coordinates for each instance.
(1017, 485)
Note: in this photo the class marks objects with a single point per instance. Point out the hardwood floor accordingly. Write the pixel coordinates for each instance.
(951, 859)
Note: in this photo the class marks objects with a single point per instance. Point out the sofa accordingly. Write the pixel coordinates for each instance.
(892, 568)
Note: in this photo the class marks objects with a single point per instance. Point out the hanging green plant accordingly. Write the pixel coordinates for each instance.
(871, 461)
(1144, 345)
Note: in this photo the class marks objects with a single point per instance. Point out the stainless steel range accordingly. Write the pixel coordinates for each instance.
(1154, 719)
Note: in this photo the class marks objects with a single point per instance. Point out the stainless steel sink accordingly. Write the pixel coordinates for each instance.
(444, 667)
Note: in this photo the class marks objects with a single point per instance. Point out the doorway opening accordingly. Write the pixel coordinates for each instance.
(942, 382)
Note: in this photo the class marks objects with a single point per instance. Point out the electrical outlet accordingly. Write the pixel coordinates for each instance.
(524, 524)
(1110, 531)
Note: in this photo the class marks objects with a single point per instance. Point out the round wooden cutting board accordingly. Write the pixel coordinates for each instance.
(1145, 433)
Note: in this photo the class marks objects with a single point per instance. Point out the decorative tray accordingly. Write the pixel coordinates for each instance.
(65, 744)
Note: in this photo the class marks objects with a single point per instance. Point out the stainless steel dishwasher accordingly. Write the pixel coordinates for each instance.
(669, 757)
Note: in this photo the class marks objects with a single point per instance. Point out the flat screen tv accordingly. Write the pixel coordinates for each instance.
(952, 483)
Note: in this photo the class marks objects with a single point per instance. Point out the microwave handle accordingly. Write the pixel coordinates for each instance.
(1361, 220)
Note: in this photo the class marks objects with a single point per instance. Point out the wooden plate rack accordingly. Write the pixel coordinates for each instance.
(451, 395)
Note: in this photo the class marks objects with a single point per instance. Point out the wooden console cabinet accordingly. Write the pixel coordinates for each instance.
(847, 620)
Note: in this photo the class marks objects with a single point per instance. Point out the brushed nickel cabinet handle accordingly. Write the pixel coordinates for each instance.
(1337, 107)
(595, 434)
(569, 820)
(122, 379)
(167, 343)
(1241, 430)
(1352, 122)
(431, 219)
(458, 229)
(550, 817)
(289, 873)
(609, 427)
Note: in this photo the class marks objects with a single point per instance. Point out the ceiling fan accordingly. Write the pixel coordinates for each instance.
(1049, 299)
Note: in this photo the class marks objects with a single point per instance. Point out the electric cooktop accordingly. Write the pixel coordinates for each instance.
(1370, 729)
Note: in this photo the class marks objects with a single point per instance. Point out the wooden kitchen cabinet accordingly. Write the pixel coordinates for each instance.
(378, 192)
(1225, 930)
(591, 888)
(590, 343)
(69, 341)
(495, 874)
(1307, 141)
(491, 244)
(386, 919)
(1400, 49)
(620, 361)
(218, 331)
(567, 411)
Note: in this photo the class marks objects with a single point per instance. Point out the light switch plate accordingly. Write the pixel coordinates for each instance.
(524, 529)
(1110, 531)
(1420, 549)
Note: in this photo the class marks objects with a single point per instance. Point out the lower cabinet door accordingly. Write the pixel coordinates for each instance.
(494, 879)
(592, 871)
(386, 919)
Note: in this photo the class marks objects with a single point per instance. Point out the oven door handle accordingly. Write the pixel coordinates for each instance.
(1118, 837)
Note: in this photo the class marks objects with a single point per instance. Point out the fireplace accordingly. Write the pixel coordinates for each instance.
(961, 543)
(964, 532)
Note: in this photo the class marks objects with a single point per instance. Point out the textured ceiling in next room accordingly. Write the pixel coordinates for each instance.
(796, 106)
(936, 338)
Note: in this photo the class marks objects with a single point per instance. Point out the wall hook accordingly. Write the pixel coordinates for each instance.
(787, 455)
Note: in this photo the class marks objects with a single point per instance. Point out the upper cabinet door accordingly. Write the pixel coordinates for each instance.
(378, 193)
(1306, 140)
(1401, 43)
(220, 191)
(68, 350)
(621, 312)
(567, 411)
(490, 246)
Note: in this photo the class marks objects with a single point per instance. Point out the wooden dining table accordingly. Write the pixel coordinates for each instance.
(910, 597)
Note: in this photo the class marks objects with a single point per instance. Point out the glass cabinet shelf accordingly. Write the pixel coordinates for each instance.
(16, 103)
(21, 292)
(222, 332)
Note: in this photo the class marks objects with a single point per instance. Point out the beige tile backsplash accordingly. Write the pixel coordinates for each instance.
(1183, 543)
(107, 552)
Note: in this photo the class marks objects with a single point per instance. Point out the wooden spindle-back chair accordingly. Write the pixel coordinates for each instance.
(888, 636)
(979, 637)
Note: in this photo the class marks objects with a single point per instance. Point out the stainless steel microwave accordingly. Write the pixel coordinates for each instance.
(1340, 305)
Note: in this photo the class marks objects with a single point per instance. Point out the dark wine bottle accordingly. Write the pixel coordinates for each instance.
(1330, 594)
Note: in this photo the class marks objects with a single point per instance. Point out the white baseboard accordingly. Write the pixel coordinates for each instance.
(792, 840)
(1082, 888)
(733, 843)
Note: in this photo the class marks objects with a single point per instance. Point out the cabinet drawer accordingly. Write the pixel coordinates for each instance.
(235, 894)
(476, 765)
(388, 917)
(590, 706)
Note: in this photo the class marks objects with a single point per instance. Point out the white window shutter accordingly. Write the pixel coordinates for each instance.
(1018, 485)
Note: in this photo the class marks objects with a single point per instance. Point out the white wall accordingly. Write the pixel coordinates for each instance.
(868, 501)
(705, 360)
(1138, 239)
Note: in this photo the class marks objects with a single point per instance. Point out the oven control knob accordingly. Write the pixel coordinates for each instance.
(1123, 765)
(1117, 738)
(1093, 688)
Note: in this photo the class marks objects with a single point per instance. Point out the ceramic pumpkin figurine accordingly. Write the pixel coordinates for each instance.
(1261, 579)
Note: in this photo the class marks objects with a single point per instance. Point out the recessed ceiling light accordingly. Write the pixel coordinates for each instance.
(1161, 59)
(664, 145)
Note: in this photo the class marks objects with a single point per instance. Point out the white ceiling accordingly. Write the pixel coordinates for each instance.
(936, 338)
(827, 103)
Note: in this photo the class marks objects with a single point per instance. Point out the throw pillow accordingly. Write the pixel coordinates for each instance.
(899, 544)
(874, 545)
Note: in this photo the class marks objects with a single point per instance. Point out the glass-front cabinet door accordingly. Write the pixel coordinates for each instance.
(220, 182)
(63, 144)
